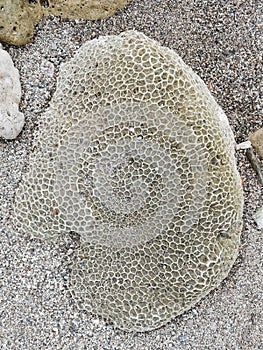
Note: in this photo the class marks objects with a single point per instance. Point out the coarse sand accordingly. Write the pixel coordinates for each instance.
(222, 41)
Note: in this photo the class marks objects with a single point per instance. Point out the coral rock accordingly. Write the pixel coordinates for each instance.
(11, 120)
(137, 158)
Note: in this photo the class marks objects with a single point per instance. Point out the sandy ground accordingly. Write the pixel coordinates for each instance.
(221, 40)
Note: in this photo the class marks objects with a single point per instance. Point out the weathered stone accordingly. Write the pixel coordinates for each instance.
(11, 120)
(18, 17)
(93, 9)
(257, 141)
(17, 20)
(243, 145)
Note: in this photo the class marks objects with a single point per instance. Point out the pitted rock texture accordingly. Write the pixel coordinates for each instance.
(257, 141)
(135, 157)
(18, 17)
(92, 9)
(17, 20)
(11, 119)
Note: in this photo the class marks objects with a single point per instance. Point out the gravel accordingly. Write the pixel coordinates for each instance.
(222, 41)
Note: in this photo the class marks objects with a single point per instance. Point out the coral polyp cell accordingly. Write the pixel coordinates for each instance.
(136, 157)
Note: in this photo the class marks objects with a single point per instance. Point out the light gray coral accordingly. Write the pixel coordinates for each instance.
(11, 119)
(136, 157)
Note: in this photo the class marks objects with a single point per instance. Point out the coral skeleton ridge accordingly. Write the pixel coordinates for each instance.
(11, 119)
(137, 158)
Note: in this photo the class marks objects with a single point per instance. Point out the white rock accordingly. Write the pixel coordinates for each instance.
(11, 119)
(259, 217)
(243, 145)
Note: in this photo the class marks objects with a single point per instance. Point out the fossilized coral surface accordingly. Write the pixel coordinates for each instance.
(137, 158)
(11, 119)
(18, 17)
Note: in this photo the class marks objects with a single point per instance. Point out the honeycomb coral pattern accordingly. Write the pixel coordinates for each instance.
(135, 156)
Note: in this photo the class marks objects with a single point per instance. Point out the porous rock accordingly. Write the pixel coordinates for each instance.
(18, 17)
(92, 9)
(17, 20)
(11, 119)
(257, 141)
(136, 157)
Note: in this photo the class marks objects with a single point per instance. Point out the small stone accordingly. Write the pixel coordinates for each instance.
(259, 217)
(182, 338)
(90, 334)
(11, 119)
(257, 141)
(54, 46)
(243, 145)
(194, 311)
(47, 68)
